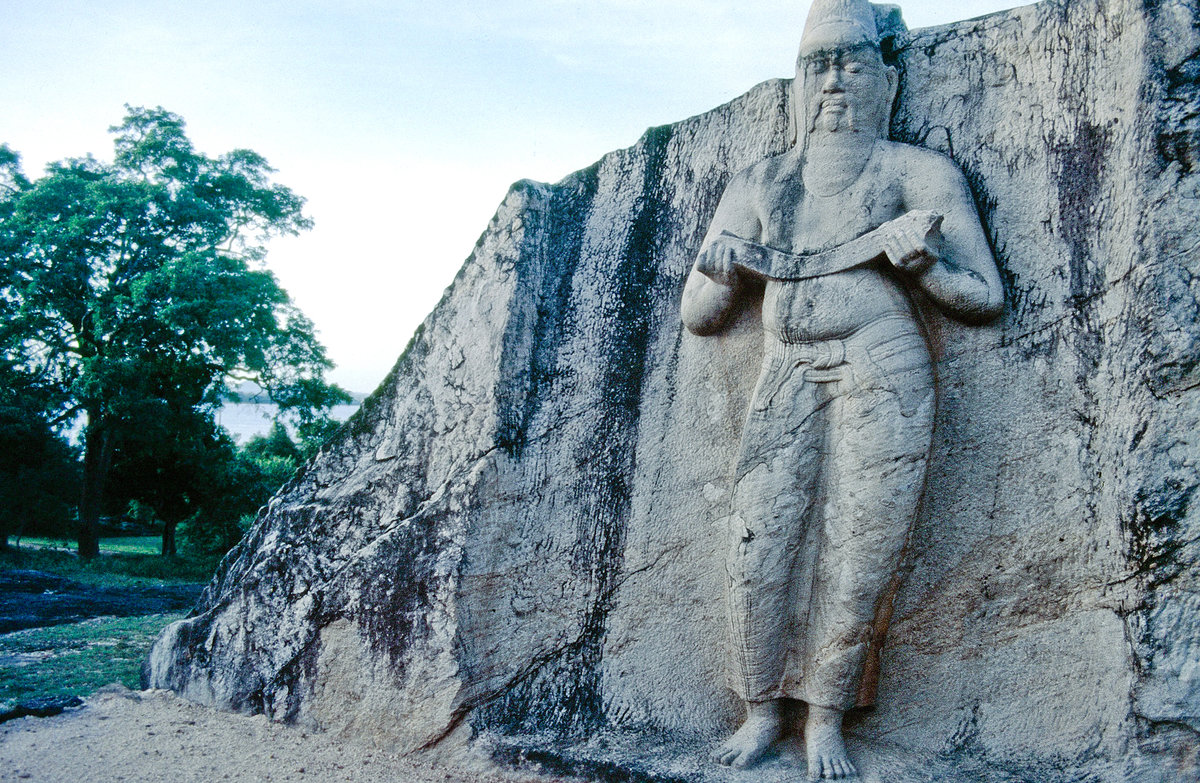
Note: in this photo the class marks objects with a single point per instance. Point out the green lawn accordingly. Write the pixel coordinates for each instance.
(130, 545)
(130, 565)
(76, 659)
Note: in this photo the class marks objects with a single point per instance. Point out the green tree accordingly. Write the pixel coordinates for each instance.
(247, 482)
(39, 478)
(135, 295)
(39, 474)
(177, 465)
(276, 453)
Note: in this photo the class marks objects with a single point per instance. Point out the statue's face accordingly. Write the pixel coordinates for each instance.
(847, 89)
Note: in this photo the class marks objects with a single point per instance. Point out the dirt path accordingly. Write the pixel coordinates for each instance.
(33, 599)
(156, 736)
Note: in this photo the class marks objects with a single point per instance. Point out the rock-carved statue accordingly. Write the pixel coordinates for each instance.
(840, 230)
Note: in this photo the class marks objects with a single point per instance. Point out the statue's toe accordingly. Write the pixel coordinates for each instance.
(744, 760)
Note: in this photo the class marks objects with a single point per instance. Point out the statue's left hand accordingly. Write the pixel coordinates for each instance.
(912, 247)
(718, 263)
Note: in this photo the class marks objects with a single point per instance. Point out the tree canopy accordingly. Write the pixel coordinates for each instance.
(134, 295)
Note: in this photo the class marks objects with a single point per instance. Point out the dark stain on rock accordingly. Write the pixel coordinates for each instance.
(965, 738)
(1178, 137)
(396, 589)
(1169, 365)
(556, 762)
(1079, 175)
(1153, 529)
(547, 262)
(1079, 165)
(565, 695)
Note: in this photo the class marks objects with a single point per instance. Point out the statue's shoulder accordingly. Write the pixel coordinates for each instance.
(757, 176)
(917, 166)
(913, 162)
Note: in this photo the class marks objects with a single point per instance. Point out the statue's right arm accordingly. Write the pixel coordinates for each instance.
(713, 286)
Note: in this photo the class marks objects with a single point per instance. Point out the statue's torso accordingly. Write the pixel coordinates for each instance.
(799, 220)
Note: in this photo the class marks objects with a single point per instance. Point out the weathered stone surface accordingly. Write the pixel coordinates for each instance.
(518, 537)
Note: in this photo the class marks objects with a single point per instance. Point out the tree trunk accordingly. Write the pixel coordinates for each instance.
(97, 458)
(168, 541)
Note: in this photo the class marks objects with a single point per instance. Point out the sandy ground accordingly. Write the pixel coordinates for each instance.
(155, 736)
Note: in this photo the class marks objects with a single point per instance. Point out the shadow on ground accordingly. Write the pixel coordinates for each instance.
(35, 599)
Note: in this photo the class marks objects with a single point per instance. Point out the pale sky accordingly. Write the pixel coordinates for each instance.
(403, 123)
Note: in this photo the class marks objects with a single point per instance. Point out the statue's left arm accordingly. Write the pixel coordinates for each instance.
(959, 273)
(711, 293)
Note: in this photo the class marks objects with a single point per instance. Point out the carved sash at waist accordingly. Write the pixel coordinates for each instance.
(834, 360)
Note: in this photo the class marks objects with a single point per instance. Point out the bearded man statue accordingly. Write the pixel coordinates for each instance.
(836, 234)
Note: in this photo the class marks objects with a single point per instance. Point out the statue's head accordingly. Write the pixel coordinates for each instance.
(842, 83)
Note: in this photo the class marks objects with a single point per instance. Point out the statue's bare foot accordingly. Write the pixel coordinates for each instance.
(764, 725)
(827, 759)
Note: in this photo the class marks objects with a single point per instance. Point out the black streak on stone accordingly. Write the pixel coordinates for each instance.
(1079, 177)
(1153, 529)
(397, 592)
(594, 770)
(1178, 137)
(1081, 192)
(548, 261)
(565, 697)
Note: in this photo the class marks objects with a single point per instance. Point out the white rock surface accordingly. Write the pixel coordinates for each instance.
(518, 539)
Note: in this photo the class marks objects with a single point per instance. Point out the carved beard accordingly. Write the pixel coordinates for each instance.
(849, 119)
(837, 147)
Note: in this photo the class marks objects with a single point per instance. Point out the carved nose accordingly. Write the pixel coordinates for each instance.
(833, 80)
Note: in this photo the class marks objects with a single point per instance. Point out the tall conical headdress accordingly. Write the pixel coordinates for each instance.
(834, 24)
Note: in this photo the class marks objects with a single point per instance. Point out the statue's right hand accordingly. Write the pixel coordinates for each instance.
(717, 263)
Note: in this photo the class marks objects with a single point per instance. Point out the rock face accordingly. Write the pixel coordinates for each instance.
(518, 540)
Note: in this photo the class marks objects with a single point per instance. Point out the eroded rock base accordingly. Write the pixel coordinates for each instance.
(645, 758)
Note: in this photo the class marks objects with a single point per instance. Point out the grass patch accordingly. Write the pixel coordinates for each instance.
(76, 659)
(125, 545)
(113, 569)
(132, 545)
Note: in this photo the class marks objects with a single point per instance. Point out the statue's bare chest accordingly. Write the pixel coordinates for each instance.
(801, 220)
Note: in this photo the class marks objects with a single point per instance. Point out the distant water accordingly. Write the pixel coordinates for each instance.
(244, 420)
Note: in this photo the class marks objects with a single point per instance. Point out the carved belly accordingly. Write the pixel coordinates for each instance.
(830, 307)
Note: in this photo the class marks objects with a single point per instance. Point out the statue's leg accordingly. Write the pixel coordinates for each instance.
(773, 500)
(876, 455)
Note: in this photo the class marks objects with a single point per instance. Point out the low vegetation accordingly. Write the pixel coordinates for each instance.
(76, 659)
(114, 567)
